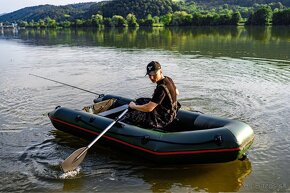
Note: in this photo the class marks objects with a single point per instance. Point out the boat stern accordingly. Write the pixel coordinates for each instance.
(244, 135)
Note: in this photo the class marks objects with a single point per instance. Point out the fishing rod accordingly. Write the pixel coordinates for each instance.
(100, 95)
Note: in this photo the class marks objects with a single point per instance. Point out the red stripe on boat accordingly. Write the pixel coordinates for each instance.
(154, 152)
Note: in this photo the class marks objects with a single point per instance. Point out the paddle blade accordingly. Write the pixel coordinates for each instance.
(74, 160)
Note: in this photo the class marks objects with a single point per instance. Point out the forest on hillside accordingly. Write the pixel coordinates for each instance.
(241, 3)
(134, 13)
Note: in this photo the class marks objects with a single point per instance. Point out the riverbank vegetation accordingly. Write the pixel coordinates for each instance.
(134, 13)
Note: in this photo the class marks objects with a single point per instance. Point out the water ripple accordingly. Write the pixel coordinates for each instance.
(252, 90)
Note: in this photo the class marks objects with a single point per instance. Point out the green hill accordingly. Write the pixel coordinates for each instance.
(242, 3)
(59, 13)
(140, 8)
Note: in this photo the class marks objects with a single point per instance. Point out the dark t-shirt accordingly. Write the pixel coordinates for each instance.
(163, 114)
(160, 96)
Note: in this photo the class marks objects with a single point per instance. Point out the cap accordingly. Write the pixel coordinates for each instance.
(152, 68)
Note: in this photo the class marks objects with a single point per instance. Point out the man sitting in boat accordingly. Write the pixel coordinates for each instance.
(161, 109)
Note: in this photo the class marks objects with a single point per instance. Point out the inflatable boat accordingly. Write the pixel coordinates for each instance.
(191, 138)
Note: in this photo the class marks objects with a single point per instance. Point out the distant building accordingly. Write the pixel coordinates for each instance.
(8, 25)
(14, 25)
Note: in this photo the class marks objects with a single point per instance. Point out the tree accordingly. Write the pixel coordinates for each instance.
(196, 19)
(189, 6)
(223, 19)
(79, 22)
(156, 19)
(50, 22)
(132, 20)
(97, 20)
(118, 21)
(262, 16)
(32, 23)
(236, 18)
(41, 23)
(181, 18)
(140, 8)
(87, 23)
(107, 22)
(149, 21)
(281, 17)
(23, 24)
(166, 19)
(65, 24)
(277, 5)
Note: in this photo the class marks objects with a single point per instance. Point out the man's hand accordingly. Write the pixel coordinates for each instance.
(132, 105)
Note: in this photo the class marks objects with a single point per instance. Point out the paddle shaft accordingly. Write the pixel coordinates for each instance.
(66, 84)
(101, 134)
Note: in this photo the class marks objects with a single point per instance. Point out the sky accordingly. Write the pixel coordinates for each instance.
(7, 6)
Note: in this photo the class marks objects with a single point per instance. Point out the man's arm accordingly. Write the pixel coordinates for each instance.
(148, 107)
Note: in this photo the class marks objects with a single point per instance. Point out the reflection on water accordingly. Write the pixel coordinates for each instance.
(260, 42)
(210, 178)
(198, 177)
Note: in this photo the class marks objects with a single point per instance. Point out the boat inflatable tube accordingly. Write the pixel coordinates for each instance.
(193, 137)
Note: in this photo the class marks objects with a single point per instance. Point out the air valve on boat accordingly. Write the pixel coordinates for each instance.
(218, 140)
(145, 139)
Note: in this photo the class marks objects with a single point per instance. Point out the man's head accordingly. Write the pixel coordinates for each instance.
(152, 68)
(154, 71)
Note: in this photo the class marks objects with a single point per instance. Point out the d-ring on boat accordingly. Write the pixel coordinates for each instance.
(191, 138)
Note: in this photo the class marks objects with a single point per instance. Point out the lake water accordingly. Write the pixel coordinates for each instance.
(238, 73)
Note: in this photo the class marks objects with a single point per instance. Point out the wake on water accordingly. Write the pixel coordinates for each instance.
(70, 174)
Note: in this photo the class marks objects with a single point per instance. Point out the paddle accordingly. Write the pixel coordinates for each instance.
(74, 160)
